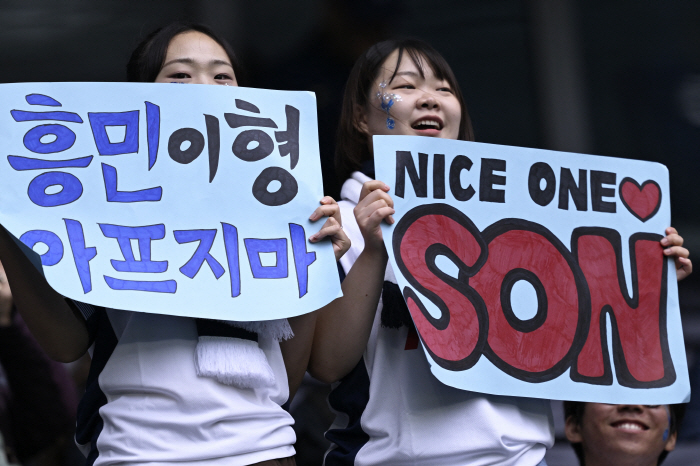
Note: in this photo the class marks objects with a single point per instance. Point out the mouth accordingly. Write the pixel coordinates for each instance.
(428, 123)
(630, 425)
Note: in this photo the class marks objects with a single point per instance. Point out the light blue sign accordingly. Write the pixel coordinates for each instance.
(536, 273)
(182, 200)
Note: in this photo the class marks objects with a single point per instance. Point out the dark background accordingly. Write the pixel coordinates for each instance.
(606, 77)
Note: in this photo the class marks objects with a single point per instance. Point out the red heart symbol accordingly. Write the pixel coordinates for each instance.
(642, 201)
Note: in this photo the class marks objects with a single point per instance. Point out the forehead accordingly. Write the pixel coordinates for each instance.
(407, 65)
(194, 44)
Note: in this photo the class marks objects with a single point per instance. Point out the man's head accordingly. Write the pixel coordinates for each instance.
(621, 434)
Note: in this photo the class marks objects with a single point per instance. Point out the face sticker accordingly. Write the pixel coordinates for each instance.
(386, 101)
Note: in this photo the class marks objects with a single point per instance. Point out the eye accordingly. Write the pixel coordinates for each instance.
(405, 86)
(179, 76)
(445, 89)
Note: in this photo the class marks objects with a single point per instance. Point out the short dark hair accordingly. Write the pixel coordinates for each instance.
(147, 58)
(575, 410)
(351, 145)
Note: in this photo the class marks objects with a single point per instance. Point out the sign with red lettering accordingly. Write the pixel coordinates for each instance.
(536, 273)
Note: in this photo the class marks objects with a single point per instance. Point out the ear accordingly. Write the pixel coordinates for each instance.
(572, 430)
(671, 442)
(359, 120)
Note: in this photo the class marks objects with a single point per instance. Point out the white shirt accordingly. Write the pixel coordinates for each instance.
(411, 418)
(159, 411)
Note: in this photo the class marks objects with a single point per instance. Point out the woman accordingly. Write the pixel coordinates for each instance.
(147, 399)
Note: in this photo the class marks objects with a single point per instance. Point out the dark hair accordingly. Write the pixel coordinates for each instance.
(575, 410)
(148, 57)
(351, 145)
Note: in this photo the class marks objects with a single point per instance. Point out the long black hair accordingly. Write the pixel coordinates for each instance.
(147, 58)
(351, 144)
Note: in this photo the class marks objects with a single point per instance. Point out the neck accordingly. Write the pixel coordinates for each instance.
(619, 459)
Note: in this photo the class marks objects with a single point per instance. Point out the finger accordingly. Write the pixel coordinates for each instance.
(330, 227)
(375, 217)
(374, 196)
(677, 251)
(373, 185)
(671, 231)
(330, 210)
(673, 239)
(684, 267)
(324, 232)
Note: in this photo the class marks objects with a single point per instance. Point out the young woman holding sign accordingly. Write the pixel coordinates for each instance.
(161, 389)
(392, 410)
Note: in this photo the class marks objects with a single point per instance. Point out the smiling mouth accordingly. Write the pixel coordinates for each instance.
(629, 425)
(427, 124)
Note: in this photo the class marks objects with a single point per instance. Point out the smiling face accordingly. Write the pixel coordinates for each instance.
(426, 105)
(196, 58)
(622, 434)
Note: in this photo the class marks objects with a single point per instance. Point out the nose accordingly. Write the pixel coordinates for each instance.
(428, 100)
(630, 408)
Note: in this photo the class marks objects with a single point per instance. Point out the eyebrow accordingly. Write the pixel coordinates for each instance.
(407, 73)
(190, 61)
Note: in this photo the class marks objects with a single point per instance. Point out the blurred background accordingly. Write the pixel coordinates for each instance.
(605, 77)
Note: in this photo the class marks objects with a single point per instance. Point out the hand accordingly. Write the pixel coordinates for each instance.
(673, 247)
(333, 228)
(375, 205)
(5, 300)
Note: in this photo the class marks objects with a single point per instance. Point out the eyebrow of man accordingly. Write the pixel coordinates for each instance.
(191, 61)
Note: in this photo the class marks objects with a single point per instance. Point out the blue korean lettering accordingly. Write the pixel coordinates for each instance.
(20, 115)
(302, 258)
(153, 132)
(81, 255)
(231, 245)
(144, 235)
(64, 139)
(254, 247)
(26, 163)
(71, 189)
(166, 286)
(41, 99)
(99, 123)
(55, 252)
(109, 173)
(201, 254)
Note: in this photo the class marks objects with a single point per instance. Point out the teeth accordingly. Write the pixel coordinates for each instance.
(629, 426)
(428, 123)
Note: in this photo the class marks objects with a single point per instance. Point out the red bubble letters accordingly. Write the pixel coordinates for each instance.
(576, 291)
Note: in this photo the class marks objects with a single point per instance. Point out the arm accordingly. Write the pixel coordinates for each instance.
(673, 247)
(343, 326)
(60, 331)
(296, 351)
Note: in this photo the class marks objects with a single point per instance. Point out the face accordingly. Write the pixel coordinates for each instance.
(196, 58)
(426, 106)
(621, 434)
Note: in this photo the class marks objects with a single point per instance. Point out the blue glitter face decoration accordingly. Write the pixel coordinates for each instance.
(667, 431)
(386, 100)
